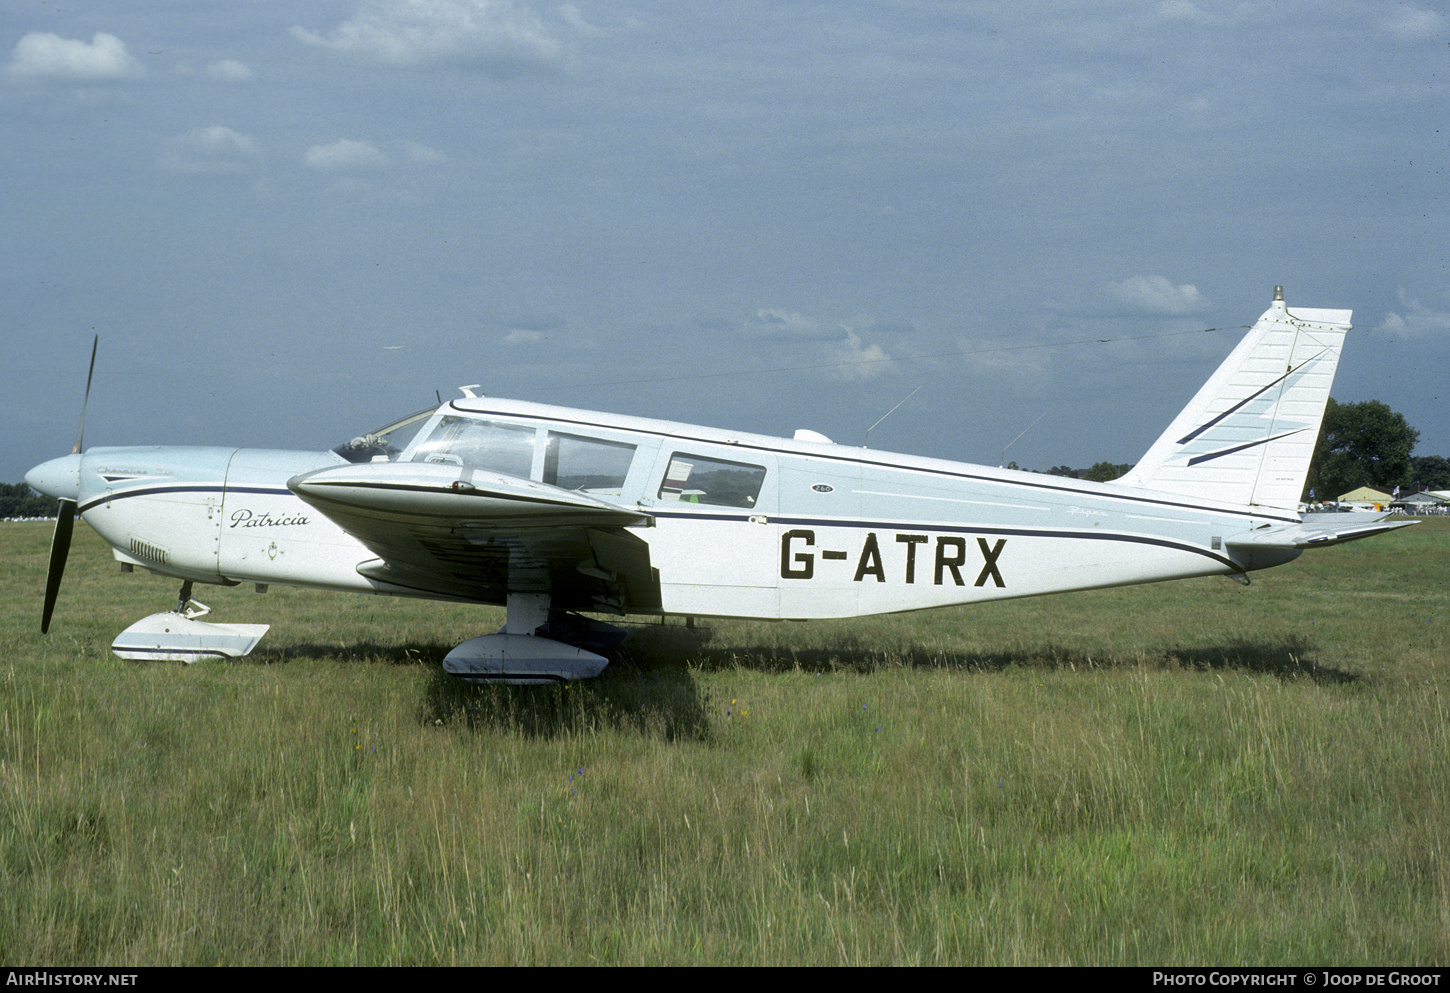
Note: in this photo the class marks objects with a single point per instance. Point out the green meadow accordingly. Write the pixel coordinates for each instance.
(1186, 773)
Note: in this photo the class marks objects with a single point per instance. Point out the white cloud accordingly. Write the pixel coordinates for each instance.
(1417, 320)
(522, 337)
(771, 322)
(858, 360)
(495, 33)
(1182, 10)
(576, 20)
(345, 154)
(1156, 295)
(39, 55)
(836, 346)
(1412, 24)
(422, 154)
(213, 149)
(229, 71)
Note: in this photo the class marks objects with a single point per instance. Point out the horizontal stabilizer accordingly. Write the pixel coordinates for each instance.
(1317, 531)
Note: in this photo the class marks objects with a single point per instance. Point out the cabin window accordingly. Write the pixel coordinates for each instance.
(478, 444)
(589, 465)
(698, 479)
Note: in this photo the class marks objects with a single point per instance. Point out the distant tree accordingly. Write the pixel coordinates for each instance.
(1360, 444)
(1432, 472)
(1103, 472)
(19, 500)
(1062, 470)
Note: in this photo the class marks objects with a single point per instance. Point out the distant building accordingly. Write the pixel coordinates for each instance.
(1367, 497)
(1423, 503)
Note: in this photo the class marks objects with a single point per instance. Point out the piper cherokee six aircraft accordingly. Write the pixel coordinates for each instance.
(553, 512)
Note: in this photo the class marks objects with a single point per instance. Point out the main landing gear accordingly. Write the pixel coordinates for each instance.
(525, 650)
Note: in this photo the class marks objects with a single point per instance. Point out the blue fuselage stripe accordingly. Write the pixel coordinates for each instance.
(139, 491)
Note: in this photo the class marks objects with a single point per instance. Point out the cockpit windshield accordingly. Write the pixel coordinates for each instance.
(574, 462)
(386, 443)
(479, 444)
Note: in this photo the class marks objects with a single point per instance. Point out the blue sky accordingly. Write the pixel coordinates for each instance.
(290, 222)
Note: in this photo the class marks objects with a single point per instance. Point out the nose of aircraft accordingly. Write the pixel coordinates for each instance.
(60, 478)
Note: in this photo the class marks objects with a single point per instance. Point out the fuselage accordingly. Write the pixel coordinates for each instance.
(736, 524)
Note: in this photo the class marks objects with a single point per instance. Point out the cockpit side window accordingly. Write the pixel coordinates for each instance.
(386, 443)
(590, 465)
(479, 444)
(699, 479)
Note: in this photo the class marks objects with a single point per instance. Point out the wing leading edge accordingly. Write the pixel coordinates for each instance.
(480, 535)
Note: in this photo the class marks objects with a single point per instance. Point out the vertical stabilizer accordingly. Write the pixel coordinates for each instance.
(1248, 436)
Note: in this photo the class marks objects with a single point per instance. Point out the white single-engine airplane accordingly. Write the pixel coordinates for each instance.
(552, 512)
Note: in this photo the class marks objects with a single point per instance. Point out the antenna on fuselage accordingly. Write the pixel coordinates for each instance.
(1003, 463)
(888, 414)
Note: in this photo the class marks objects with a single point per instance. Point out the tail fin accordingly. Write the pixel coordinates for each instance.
(1248, 436)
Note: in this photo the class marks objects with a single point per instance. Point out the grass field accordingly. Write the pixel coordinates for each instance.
(1187, 773)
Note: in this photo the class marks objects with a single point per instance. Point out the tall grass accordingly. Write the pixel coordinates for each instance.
(1185, 773)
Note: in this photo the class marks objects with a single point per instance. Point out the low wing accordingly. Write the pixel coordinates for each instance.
(480, 535)
(1317, 531)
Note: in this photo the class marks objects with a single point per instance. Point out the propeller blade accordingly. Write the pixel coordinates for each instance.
(80, 431)
(65, 520)
(59, 549)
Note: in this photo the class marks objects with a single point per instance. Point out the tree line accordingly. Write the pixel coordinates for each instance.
(1360, 444)
(1368, 444)
(19, 500)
